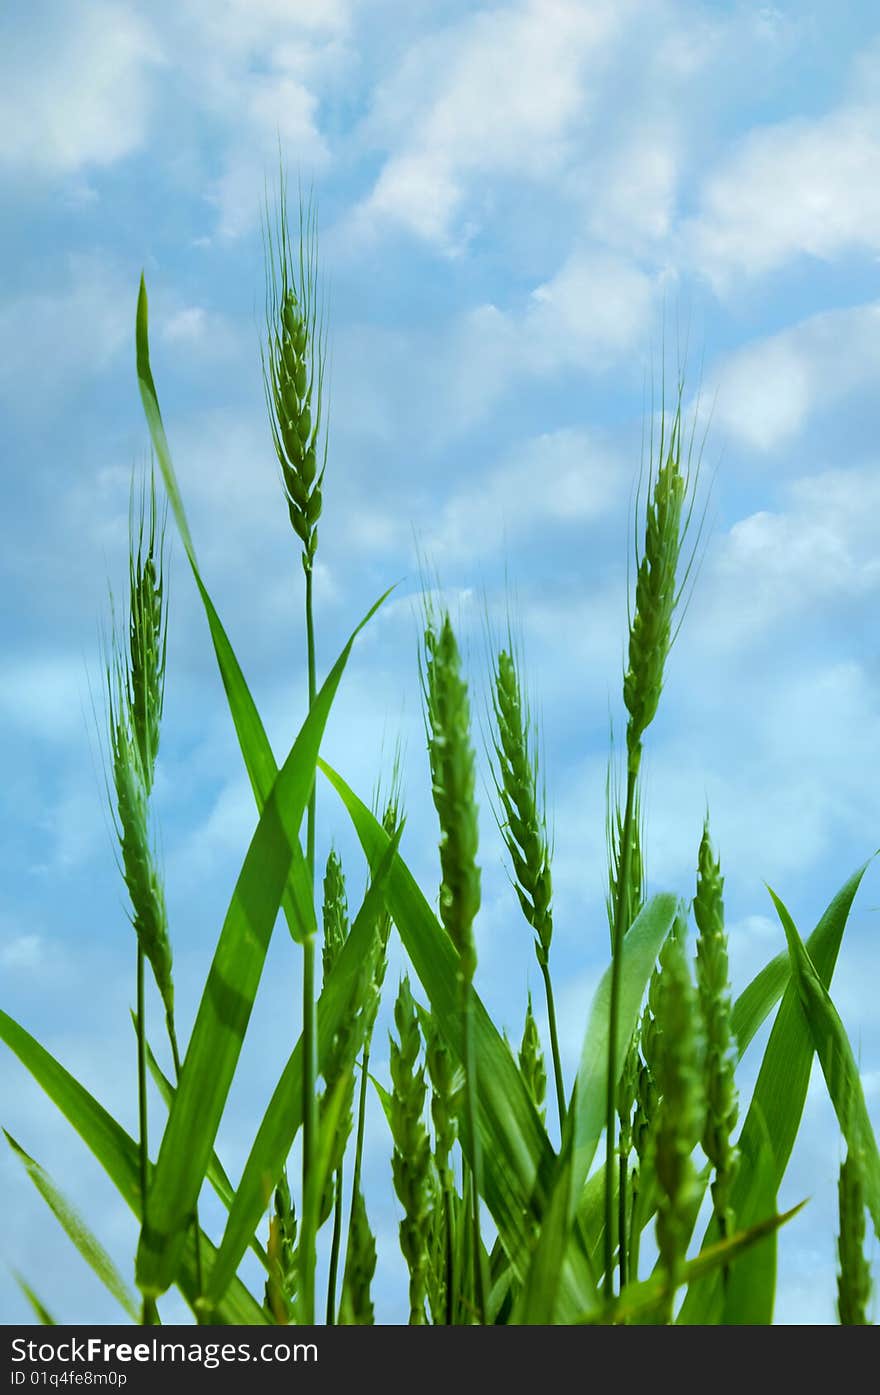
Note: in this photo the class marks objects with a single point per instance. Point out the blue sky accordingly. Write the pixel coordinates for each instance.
(520, 203)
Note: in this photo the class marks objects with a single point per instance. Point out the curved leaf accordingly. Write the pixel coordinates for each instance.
(118, 1154)
(91, 1249)
(838, 1063)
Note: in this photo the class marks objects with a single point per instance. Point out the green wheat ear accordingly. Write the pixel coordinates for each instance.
(453, 781)
(713, 983)
(659, 587)
(135, 683)
(521, 815)
(280, 1291)
(335, 913)
(356, 1305)
(293, 367)
(522, 819)
(678, 1070)
(854, 1276)
(531, 1061)
(147, 630)
(411, 1160)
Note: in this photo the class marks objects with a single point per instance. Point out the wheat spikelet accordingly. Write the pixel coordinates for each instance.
(658, 588)
(356, 1304)
(531, 1061)
(452, 786)
(147, 631)
(280, 1290)
(335, 914)
(854, 1275)
(135, 680)
(714, 990)
(293, 369)
(521, 816)
(411, 1160)
(678, 1072)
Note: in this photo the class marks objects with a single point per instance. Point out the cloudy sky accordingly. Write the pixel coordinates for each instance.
(526, 208)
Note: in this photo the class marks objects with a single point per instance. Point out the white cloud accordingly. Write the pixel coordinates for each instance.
(500, 93)
(807, 186)
(65, 335)
(259, 71)
(814, 556)
(563, 477)
(592, 311)
(596, 305)
(768, 391)
(75, 88)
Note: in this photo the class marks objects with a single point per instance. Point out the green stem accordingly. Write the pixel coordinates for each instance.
(620, 929)
(465, 1309)
(621, 1219)
(310, 1130)
(635, 1230)
(477, 1170)
(310, 1033)
(722, 1235)
(149, 1316)
(310, 643)
(554, 1043)
(334, 1251)
(451, 1295)
(359, 1137)
(201, 1316)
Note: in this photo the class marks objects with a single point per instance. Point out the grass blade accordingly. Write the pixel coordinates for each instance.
(117, 1153)
(284, 1115)
(216, 1173)
(641, 945)
(39, 1309)
(91, 1249)
(751, 1284)
(838, 1063)
(537, 1301)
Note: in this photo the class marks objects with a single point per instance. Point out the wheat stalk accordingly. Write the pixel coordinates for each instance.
(293, 373)
(335, 923)
(658, 591)
(453, 781)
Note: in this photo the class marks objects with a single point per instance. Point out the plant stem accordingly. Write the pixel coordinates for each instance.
(635, 1230)
(361, 1124)
(554, 1043)
(149, 1314)
(620, 929)
(334, 1251)
(451, 1295)
(310, 1125)
(477, 1170)
(313, 686)
(621, 1219)
(310, 1033)
(201, 1316)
